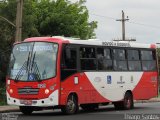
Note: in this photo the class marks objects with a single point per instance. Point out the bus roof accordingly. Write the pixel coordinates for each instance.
(60, 39)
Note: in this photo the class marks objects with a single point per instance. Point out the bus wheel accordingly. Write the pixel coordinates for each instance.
(26, 110)
(71, 106)
(89, 107)
(128, 101)
(126, 104)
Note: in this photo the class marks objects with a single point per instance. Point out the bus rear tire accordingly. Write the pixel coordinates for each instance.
(71, 106)
(126, 104)
(128, 101)
(26, 110)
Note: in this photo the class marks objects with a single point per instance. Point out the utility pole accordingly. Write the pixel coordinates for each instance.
(19, 15)
(123, 20)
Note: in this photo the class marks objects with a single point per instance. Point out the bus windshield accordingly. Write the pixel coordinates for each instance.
(33, 61)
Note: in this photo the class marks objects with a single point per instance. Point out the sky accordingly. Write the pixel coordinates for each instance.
(143, 24)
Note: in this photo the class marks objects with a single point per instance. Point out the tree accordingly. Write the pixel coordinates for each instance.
(62, 17)
(51, 17)
(7, 32)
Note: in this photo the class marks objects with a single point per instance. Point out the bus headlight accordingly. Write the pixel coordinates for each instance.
(11, 91)
(46, 91)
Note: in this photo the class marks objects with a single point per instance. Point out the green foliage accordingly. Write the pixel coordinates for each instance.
(47, 17)
(2, 94)
(50, 17)
(60, 17)
(6, 35)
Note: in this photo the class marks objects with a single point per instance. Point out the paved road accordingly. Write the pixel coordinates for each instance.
(143, 111)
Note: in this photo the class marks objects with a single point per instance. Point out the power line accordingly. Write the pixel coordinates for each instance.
(103, 16)
(152, 26)
(131, 22)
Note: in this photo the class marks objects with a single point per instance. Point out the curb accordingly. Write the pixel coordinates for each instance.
(8, 108)
(135, 101)
(148, 101)
(13, 110)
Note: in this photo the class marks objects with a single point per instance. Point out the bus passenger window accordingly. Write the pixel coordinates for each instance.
(132, 55)
(134, 63)
(87, 52)
(148, 60)
(120, 65)
(147, 55)
(119, 54)
(88, 64)
(120, 62)
(88, 58)
(104, 59)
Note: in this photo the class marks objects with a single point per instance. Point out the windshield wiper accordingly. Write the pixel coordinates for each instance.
(36, 72)
(24, 66)
(19, 74)
(28, 60)
(33, 69)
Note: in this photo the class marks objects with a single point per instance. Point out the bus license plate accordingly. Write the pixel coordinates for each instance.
(26, 102)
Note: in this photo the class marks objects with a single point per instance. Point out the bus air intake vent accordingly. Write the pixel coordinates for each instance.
(28, 91)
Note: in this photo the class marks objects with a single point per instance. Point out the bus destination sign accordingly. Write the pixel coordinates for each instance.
(116, 44)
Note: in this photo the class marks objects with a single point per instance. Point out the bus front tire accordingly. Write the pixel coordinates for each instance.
(26, 110)
(71, 106)
(126, 104)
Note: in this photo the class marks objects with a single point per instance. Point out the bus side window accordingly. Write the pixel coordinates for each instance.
(148, 60)
(87, 52)
(104, 59)
(120, 62)
(88, 58)
(70, 58)
(68, 62)
(134, 63)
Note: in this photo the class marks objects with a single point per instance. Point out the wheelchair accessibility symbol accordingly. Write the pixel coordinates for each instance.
(31, 77)
(109, 79)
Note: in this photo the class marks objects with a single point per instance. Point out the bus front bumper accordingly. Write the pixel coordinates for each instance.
(52, 100)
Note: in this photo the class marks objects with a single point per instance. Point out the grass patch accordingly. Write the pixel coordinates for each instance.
(3, 94)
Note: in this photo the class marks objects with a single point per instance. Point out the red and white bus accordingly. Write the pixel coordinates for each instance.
(58, 72)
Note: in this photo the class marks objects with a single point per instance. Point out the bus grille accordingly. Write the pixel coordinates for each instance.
(28, 91)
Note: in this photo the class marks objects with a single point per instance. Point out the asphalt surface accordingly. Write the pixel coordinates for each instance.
(142, 111)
